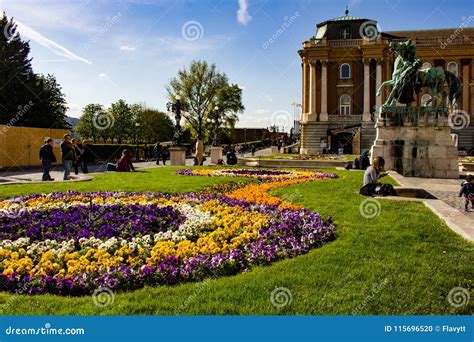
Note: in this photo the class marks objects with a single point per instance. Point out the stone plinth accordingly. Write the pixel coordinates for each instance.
(216, 154)
(177, 156)
(274, 150)
(416, 142)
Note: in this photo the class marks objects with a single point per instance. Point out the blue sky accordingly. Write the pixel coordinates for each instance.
(101, 51)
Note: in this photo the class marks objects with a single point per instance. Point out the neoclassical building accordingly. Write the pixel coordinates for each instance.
(348, 59)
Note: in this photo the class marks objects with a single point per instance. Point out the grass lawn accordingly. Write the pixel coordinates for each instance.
(404, 261)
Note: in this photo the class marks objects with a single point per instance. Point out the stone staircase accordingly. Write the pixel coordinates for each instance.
(368, 137)
(466, 137)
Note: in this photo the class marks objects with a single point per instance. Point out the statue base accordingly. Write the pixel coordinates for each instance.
(416, 142)
(216, 154)
(177, 156)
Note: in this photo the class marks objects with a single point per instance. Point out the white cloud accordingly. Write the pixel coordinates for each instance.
(127, 48)
(262, 111)
(104, 77)
(243, 16)
(54, 47)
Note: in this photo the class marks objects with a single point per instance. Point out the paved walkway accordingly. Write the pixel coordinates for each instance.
(35, 174)
(448, 206)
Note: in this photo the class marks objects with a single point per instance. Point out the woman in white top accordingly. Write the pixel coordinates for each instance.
(375, 171)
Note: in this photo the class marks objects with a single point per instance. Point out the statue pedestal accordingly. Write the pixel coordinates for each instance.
(416, 142)
(216, 154)
(274, 150)
(177, 156)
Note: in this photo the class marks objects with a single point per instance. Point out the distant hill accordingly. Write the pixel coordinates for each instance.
(72, 121)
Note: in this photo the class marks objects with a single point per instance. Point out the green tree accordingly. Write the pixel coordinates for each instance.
(155, 126)
(123, 128)
(26, 99)
(91, 122)
(203, 87)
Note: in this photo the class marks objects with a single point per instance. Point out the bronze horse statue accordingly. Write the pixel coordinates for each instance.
(407, 78)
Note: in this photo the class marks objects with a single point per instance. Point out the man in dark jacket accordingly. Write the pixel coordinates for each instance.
(47, 157)
(68, 155)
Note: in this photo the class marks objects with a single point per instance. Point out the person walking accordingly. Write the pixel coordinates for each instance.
(199, 151)
(78, 152)
(158, 151)
(87, 156)
(467, 192)
(47, 157)
(67, 155)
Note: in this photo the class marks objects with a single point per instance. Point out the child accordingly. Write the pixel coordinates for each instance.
(467, 191)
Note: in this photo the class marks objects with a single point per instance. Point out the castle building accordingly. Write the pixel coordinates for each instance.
(346, 61)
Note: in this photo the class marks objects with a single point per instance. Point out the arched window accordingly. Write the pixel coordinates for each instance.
(424, 99)
(345, 71)
(453, 67)
(345, 105)
(426, 65)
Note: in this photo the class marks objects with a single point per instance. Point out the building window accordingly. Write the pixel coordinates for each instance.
(345, 32)
(345, 71)
(426, 65)
(345, 105)
(453, 67)
(424, 99)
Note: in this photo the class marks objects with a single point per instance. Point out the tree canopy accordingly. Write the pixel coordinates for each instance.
(26, 98)
(203, 87)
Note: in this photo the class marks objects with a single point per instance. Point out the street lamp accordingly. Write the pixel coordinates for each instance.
(137, 129)
(176, 107)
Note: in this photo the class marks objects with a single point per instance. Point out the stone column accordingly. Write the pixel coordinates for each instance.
(324, 91)
(305, 89)
(366, 113)
(312, 92)
(177, 156)
(465, 85)
(378, 83)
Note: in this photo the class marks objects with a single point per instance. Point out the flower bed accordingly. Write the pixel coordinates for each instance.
(259, 174)
(72, 243)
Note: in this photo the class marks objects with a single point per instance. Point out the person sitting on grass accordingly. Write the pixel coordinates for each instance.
(467, 192)
(124, 164)
(372, 187)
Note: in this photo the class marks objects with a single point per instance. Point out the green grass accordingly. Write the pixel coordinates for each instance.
(404, 261)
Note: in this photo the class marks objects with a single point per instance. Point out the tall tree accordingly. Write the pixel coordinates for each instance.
(91, 122)
(26, 99)
(201, 86)
(123, 128)
(155, 126)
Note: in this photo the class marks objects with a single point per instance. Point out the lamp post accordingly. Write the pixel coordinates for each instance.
(176, 107)
(137, 129)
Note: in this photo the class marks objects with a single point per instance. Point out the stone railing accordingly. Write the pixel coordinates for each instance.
(340, 118)
(437, 41)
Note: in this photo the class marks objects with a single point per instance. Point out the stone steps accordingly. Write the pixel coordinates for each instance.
(466, 137)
